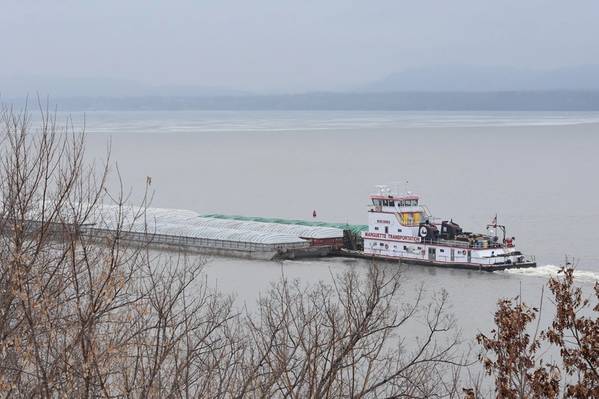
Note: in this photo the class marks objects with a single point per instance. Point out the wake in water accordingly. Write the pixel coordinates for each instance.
(552, 271)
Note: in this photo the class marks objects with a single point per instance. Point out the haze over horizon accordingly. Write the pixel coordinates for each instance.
(268, 47)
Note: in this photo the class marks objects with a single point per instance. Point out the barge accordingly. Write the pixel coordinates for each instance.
(400, 228)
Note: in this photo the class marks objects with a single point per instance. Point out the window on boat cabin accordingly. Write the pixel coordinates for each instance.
(399, 230)
(376, 227)
(386, 229)
(376, 202)
(405, 248)
(391, 203)
(385, 203)
(441, 250)
(381, 244)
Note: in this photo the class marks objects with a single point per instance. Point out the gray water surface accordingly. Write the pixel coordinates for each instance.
(537, 171)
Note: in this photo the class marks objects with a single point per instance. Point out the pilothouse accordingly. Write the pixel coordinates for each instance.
(400, 227)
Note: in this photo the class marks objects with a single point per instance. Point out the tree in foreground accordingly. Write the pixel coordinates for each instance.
(511, 353)
(94, 316)
(341, 340)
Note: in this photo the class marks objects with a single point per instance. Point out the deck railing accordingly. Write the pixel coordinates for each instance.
(463, 244)
(195, 242)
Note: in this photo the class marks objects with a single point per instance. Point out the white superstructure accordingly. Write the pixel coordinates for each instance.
(400, 227)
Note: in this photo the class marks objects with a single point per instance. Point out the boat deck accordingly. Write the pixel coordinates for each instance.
(425, 262)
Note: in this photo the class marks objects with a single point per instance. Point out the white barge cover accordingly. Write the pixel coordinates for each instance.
(182, 223)
(189, 224)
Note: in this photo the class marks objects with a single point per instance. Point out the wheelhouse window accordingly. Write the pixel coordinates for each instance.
(391, 203)
(409, 202)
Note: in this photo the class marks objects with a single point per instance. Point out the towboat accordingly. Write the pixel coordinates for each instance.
(401, 228)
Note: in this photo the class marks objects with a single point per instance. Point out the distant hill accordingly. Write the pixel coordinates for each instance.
(463, 88)
(18, 86)
(481, 79)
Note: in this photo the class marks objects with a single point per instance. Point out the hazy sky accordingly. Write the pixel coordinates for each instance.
(269, 45)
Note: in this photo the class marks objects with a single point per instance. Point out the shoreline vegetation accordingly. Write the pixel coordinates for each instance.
(525, 100)
(86, 319)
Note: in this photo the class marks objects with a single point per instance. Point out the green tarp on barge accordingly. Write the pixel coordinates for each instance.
(354, 228)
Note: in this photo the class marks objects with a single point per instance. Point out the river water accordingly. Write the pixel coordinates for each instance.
(536, 171)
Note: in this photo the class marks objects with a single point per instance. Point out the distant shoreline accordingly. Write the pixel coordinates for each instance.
(558, 100)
